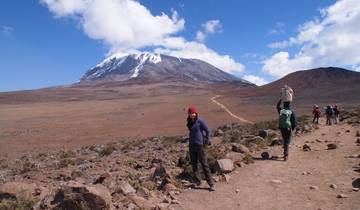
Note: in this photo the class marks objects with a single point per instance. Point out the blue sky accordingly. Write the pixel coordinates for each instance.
(53, 42)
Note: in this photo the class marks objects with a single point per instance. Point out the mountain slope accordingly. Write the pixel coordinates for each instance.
(155, 67)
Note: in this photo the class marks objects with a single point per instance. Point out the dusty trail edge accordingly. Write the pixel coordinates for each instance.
(213, 99)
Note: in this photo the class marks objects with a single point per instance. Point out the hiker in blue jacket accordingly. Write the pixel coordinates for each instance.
(287, 123)
(199, 137)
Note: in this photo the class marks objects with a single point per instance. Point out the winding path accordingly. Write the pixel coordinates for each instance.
(213, 99)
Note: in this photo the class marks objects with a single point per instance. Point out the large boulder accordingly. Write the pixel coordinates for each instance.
(224, 165)
(19, 190)
(77, 196)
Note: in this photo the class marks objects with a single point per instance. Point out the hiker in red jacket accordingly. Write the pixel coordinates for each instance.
(316, 113)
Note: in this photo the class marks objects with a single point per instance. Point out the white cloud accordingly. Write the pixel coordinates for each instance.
(255, 80)
(126, 26)
(213, 26)
(122, 24)
(7, 30)
(210, 27)
(332, 40)
(182, 48)
(200, 36)
(278, 29)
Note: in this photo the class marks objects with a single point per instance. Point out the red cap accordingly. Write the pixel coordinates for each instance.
(192, 109)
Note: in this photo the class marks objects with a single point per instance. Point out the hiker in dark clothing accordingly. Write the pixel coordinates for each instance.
(316, 113)
(199, 137)
(336, 112)
(329, 114)
(287, 123)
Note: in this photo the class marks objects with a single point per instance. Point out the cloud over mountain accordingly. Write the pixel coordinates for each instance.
(331, 40)
(126, 26)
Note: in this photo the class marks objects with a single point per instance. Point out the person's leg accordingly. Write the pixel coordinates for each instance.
(314, 119)
(205, 167)
(286, 134)
(194, 156)
(317, 120)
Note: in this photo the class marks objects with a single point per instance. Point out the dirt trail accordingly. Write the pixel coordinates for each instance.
(256, 189)
(213, 99)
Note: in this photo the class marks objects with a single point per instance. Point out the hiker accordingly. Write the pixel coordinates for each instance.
(316, 113)
(336, 114)
(329, 114)
(287, 123)
(199, 137)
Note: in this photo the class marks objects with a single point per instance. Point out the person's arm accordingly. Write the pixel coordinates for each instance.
(278, 106)
(205, 128)
(293, 121)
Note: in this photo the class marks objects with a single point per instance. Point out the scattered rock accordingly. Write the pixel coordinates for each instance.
(305, 173)
(17, 190)
(101, 178)
(82, 197)
(307, 128)
(341, 196)
(237, 191)
(355, 189)
(143, 192)
(276, 142)
(263, 133)
(358, 140)
(354, 156)
(314, 187)
(159, 172)
(125, 188)
(306, 148)
(275, 181)
(332, 146)
(318, 140)
(347, 131)
(219, 132)
(265, 156)
(226, 178)
(240, 148)
(141, 202)
(358, 133)
(334, 186)
(224, 165)
(169, 187)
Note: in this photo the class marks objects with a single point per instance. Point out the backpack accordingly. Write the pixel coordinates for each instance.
(329, 111)
(285, 118)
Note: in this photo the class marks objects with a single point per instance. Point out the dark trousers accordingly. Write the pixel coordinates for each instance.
(316, 118)
(286, 135)
(197, 154)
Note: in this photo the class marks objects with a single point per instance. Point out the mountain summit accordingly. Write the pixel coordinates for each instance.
(155, 67)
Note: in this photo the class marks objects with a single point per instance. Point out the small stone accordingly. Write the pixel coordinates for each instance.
(225, 165)
(331, 146)
(354, 156)
(355, 189)
(306, 148)
(358, 140)
(237, 191)
(265, 156)
(275, 181)
(358, 133)
(240, 148)
(318, 140)
(175, 202)
(334, 186)
(314, 187)
(305, 173)
(227, 178)
(341, 196)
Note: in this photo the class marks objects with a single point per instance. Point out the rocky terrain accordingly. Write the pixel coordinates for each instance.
(154, 173)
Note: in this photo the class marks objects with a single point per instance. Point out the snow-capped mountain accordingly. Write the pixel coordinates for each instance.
(155, 67)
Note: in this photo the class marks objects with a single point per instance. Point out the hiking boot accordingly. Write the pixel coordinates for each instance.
(212, 188)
